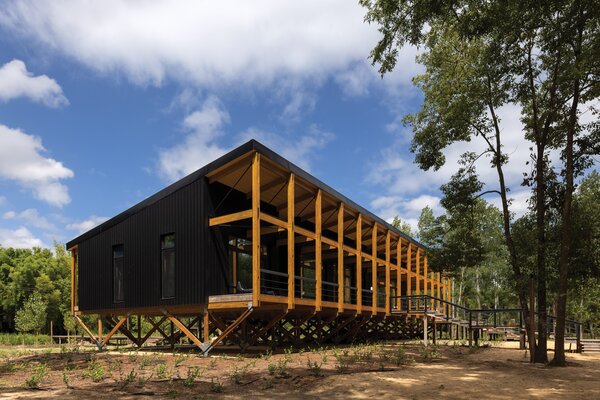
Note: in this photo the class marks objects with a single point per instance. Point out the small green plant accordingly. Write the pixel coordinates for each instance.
(10, 366)
(325, 358)
(142, 380)
(133, 357)
(401, 358)
(179, 359)
(342, 361)
(65, 378)
(128, 379)
(161, 371)
(267, 355)
(212, 364)
(94, 371)
(144, 362)
(272, 368)
(429, 353)
(38, 374)
(216, 386)
(192, 374)
(314, 367)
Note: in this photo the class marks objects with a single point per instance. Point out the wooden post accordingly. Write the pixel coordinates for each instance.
(387, 272)
(205, 326)
(399, 270)
(340, 246)
(256, 230)
(139, 328)
(318, 252)
(359, 264)
(418, 271)
(73, 288)
(100, 328)
(291, 242)
(374, 266)
(409, 274)
(425, 330)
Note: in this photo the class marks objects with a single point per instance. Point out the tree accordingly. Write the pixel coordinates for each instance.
(402, 226)
(541, 56)
(32, 316)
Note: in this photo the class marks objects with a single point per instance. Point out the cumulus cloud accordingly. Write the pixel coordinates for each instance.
(22, 160)
(19, 238)
(31, 217)
(178, 40)
(202, 128)
(16, 81)
(395, 171)
(86, 224)
(304, 146)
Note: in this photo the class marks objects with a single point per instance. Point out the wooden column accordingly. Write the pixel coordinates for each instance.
(256, 230)
(340, 246)
(425, 276)
(205, 329)
(418, 271)
(387, 272)
(359, 264)
(100, 327)
(318, 252)
(291, 241)
(374, 266)
(409, 273)
(438, 284)
(399, 274)
(73, 288)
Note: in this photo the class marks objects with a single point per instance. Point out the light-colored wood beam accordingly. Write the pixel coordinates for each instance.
(256, 230)
(359, 264)
(291, 242)
(318, 252)
(387, 272)
(398, 272)
(374, 267)
(340, 243)
(236, 216)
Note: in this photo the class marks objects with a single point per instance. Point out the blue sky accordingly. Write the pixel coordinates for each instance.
(102, 104)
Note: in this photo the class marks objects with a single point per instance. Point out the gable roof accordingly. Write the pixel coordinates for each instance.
(249, 146)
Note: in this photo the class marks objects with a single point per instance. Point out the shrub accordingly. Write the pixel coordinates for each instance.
(192, 374)
(94, 371)
(216, 386)
(161, 371)
(430, 353)
(38, 374)
(314, 367)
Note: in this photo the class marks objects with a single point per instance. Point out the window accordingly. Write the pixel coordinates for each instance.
(167, 245)
(118, 282)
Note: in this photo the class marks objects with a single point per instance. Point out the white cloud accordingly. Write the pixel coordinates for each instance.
(399, 177)
(86, 224)
(198, 148)
(16, 81)
(408, 209)
(30, 217)
(209, 43)
(19, 238)
(304, 146)
(205, 127)
(22, 161)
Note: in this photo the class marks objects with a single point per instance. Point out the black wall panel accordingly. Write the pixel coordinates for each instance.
(199, 269)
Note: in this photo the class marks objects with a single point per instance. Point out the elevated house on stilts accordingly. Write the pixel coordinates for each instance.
(252, 250)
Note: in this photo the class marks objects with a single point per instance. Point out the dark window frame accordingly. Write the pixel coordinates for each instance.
(121, 259)
(163, 251)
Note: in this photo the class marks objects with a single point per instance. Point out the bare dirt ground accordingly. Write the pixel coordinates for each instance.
(390, 370)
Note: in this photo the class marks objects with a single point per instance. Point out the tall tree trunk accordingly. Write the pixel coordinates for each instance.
(477, 288)
(510, 244)
(460, 285)
(565, 244)
(541, 350)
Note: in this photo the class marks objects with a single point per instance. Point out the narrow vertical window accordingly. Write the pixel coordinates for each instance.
(167, 245)
(118, 281)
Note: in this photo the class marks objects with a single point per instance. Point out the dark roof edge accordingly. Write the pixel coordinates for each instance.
(233, 154)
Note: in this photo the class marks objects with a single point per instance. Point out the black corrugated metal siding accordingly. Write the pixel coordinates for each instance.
(183, 212)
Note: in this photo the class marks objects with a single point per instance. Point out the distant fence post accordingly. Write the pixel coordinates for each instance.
(578, 333)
